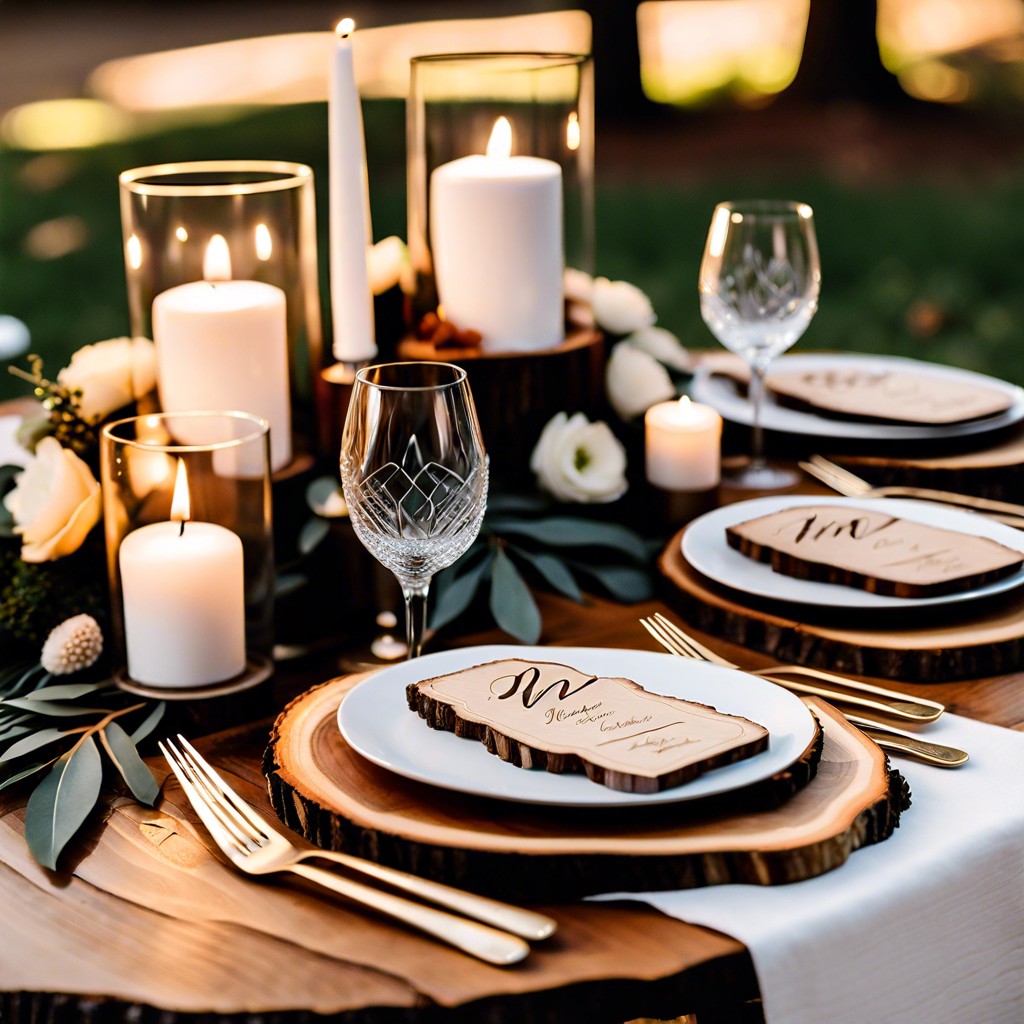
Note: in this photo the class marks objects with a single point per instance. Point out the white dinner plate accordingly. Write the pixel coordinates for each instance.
(376, 722)
(721, 392)
(706, 549)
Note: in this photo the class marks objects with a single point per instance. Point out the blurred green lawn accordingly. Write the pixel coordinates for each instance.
(913, 269)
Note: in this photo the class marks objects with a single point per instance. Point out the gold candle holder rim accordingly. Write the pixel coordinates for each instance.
(260, 429)
(281, 175)
(551, 58)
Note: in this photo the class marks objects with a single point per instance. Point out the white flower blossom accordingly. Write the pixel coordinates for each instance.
(55, 503)
(634, 381)
(73, 645)
(579, 461)
(111, 374)
(663, 345)
(387, 263)
(578, 286)
(620, 307)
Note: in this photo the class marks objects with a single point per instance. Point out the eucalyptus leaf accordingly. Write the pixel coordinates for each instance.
(49, 707)
(457, 595)
(66, 691)
(19, 680)
(320, 491)
(149, 723)
(288, 583)
(571, 531)
(554, 571)
(13, 731)
(512, 604)
(24, 773)
(312, 534)
(624, 582)
(133, 769)
(38, 738)
(62, 801)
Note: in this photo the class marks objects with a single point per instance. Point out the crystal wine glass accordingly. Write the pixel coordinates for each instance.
(414, 474)
(759, 283)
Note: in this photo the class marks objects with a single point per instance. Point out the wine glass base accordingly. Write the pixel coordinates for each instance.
(750, 476)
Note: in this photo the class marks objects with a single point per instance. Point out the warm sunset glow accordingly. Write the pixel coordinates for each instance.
(133, 252)
(217, 260)
(572, 132)
(181, 506)
(500, 142)
(264, 243)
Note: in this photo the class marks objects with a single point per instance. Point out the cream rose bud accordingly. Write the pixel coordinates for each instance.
(576, 460)
(634, 381)
(620, 307)
(387, 264)
(664, 346)
(111, 374)
(55, 504)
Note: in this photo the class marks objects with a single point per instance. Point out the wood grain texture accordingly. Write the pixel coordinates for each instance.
(985, 638)
(320, 787)
(149, 925)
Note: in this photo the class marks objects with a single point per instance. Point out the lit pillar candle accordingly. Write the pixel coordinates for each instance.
(496, 240)
(184, 599)
(223, 344)
(351, 301)
(683, 445)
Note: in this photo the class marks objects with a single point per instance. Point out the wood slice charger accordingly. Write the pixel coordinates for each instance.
(516, 393)
(795, 826)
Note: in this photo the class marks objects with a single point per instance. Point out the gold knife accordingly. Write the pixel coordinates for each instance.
(894, 704)
(937, 754)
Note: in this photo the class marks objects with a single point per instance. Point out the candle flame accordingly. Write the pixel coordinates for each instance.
(345, 28)
(500, 142)
(572, 131)
(181, 233)
(684, 404)
(181, 506)
(217, 260)
(133, 250)
(264, 243)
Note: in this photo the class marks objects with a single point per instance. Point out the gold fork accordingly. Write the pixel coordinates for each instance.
(852, 691)
(852, 486)
(255, 847)
(675, 641)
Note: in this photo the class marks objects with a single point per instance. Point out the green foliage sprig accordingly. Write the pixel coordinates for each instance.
(63, 727)
(63, 418)
(523, 541)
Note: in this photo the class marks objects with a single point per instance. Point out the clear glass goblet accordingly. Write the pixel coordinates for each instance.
(759, 284)
(414, 473)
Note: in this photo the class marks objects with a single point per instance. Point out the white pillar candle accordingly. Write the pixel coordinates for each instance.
(496, 241)
(223, 344)
(683, 445)
(350, 237)
(184, 601)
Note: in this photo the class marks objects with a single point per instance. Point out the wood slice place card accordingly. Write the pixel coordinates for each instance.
(883, 554)
(538, 714)
(889, 397)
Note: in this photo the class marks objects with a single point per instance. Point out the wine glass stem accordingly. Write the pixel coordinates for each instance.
(756, 390)
(415, 616)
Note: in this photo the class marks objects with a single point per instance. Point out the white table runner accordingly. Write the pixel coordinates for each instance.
(927, 926)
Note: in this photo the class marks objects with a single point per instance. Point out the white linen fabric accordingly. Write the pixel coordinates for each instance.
(926, 926)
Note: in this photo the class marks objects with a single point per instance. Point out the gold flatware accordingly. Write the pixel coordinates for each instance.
(851, 691)
(256, 847)
(850, 485)
(937, 754)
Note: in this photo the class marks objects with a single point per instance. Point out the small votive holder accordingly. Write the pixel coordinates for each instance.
(221, 269)
(190, 558)
(683, 456)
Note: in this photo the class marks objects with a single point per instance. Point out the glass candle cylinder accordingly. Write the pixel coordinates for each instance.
(221, 269)
(187, 516)
(501, 191)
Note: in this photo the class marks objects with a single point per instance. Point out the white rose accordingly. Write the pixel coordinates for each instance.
(55, 504)
(620, 307)
(664, 346)
(111, 374)
(634, 381)
(577, 460)
(387, 263)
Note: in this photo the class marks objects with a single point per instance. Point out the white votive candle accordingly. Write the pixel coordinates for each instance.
(683, 445)
(223, 344)
(496, 240)
(183, 590)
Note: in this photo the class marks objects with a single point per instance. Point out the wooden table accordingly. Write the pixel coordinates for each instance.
(73, 949)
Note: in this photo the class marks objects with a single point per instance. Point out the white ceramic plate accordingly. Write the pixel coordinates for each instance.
(721, 393)
(376, 722)
(705, 547)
